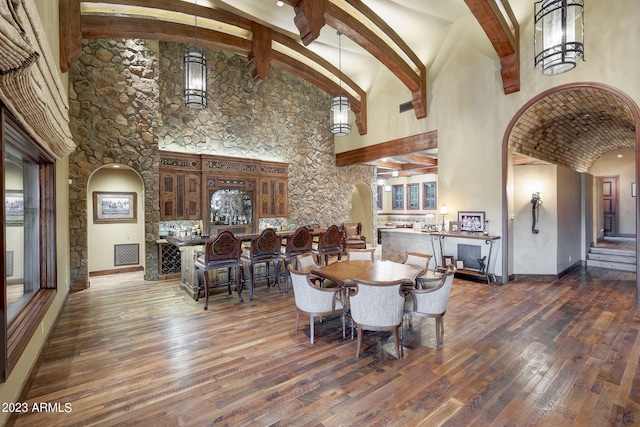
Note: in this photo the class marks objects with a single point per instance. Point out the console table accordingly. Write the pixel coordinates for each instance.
(490, 241)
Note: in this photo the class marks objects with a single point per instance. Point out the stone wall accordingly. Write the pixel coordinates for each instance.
(126, 104)
(113, 98)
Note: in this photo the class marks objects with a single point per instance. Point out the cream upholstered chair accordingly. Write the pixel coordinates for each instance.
(307, 262)
(422, 260)
(360, 254)
(377, 306)
(315, 301)
(432, 302)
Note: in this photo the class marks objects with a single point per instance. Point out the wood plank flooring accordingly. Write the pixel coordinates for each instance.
(130, 352)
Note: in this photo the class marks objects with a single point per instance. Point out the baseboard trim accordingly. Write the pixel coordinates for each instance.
(116, 271)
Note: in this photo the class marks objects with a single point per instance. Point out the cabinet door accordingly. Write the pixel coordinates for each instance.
(192, 197)
(167, 196)
(267, 197)
(281, 207)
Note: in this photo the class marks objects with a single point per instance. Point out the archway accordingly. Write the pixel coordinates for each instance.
(362, 210)
(624, 106)
(115, 238)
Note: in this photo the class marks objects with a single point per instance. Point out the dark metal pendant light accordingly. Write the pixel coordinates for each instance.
(340, 105)
(195, 74)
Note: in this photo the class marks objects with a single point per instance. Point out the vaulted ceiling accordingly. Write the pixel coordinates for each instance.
(404, 37)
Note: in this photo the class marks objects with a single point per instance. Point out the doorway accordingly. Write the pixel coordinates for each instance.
(610, 205)
(362, 210)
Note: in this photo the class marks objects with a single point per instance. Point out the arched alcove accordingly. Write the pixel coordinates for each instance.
(115, 236)
(542, 129)
(362, 209)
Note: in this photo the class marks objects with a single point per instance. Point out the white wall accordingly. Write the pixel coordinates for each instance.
(103, 236)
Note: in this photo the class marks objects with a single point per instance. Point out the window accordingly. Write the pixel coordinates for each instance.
(413, 194)
(429, 199)
(28, 237)
(379, 198)
(398, 196)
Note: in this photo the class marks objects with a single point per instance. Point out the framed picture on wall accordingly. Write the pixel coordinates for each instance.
(14, 207)
(110, 207)
(471, 221)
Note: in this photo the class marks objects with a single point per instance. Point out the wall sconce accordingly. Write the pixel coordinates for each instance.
(536, 202)
(443, 212)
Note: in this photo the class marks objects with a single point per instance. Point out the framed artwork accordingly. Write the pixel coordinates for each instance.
(447, 260)
(397, 195)
(459, 264)
(14, 207)
(454, 227)
(379, 198)
(471, 221)
(114, 207)
(429, 196)
(413, 196)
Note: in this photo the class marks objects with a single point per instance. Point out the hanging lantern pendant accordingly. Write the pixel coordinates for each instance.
(195, 79)
(340, 105)
(558, 35)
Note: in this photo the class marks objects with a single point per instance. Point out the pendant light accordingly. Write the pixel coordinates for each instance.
(340, 104)
(559, 35)
(195, 73)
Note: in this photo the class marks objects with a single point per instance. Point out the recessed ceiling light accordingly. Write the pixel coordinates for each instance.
(619, 155)
(279, 3)
(116, 166)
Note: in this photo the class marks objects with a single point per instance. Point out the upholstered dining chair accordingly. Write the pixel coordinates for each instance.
(300, 242)
(432, 302)
(330, 244)
(315, 301)
(377, 306)
(360, 254)
(353, 238)
(307, 262)
(422, 260)
(225, 251)
(265, 249)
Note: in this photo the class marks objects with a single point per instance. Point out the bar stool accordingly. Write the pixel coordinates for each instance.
(301, 241)
(265, 249)
(225, 251)
(330, 243)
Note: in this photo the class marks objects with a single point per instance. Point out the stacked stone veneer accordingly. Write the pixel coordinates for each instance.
(126, 105)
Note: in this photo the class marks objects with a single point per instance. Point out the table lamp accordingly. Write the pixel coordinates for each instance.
(443, 212)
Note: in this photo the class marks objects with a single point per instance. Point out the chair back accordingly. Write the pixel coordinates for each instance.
(224, 247)
(377, 304)
(417, 259)
(307, 261)
(360, 254)
(352, 229)
(310, 298)
(267, 244)
(299, 242)
(435, 301)
(330, 239)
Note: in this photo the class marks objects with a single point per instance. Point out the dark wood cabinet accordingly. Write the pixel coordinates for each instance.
(273, 197)
(180, 196)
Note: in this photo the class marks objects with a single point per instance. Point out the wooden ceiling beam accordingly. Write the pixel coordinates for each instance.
(503, 37)
(396, 147)
(260, 55)
(311, 15)
(70, 33)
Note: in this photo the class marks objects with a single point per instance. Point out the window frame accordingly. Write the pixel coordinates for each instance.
(413, 190)
(397, 188)
(15, 336)
(380, 189)
(425, 195)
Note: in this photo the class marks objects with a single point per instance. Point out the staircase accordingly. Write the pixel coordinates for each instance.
(615, 259)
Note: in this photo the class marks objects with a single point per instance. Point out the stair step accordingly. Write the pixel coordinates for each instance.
(611, 265)
(595, 250)
(625, 259)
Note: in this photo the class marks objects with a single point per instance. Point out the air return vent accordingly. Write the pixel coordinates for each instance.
(407, 106)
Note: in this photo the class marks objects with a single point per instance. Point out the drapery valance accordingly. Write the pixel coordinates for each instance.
(30, 85)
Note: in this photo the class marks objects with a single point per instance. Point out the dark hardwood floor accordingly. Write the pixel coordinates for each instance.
(129, 352)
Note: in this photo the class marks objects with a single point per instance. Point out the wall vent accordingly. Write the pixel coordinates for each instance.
(407, 106)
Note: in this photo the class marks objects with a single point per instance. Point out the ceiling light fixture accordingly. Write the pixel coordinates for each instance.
(340, 104)
(279, 3)
(195, 73)
(559, 34)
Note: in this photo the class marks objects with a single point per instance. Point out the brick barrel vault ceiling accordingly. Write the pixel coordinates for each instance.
(573, 127)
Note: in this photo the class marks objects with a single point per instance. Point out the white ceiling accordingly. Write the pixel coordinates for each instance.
(422, 24)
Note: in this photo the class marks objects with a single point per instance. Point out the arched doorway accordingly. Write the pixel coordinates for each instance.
(362, 210)
(536, 131)
(115, 221)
